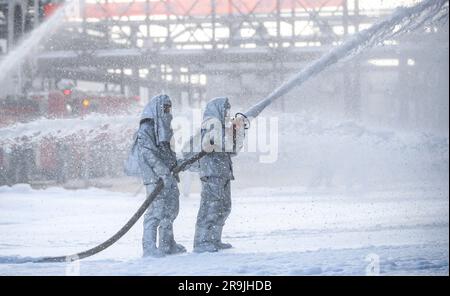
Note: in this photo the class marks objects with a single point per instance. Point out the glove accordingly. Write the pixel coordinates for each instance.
(239, 122)
(176, 176)
(168, 180)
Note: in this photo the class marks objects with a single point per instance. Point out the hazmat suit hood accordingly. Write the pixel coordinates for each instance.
(214, 123)
(157, 110)
(216, 108)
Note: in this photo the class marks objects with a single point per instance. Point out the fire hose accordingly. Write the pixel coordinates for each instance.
(159, 187)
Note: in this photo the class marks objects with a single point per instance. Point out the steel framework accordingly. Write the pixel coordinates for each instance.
(173, 40)
(182, 44)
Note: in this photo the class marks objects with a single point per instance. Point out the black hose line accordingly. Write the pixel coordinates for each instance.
(106, 244)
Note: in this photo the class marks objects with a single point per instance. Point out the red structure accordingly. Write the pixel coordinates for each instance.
(201, 7)
(63, 103)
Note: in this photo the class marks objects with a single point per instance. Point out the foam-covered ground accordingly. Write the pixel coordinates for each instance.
(275, 231)
(339, 198)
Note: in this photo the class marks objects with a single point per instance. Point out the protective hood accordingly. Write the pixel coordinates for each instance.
(215, 114)
(216, 109)
(155, 110)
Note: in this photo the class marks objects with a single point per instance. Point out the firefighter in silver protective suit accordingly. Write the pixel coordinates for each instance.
(222, 137)
(156, 159)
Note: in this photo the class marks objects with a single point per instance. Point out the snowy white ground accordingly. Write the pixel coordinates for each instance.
(289, 231)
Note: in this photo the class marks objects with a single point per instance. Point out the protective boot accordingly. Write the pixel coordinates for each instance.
(176, 249)
(205, 247)
(218, 239)
(203, 241)
(167, 242)
(149, 240)
(155, 253)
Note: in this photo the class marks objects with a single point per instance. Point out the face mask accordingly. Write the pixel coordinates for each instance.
(167, 108)
(228, 120)
(227, 112)
(165, 132)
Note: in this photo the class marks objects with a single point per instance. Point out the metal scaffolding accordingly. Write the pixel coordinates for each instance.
(171, 43)
(181, 44)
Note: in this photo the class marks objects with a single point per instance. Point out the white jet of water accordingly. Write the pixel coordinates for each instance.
(404, 19)
(15, 57)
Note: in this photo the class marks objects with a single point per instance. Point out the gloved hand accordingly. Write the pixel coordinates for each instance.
(168, 180)
(176, 177)
(238, 122)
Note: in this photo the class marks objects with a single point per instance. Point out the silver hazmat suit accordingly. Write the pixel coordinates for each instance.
(156, 159)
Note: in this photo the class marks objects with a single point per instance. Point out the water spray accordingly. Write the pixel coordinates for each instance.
(403, 20)
(15, 57)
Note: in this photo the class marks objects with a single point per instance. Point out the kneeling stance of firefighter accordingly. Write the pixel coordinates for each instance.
(156, 159)
(222, 138)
